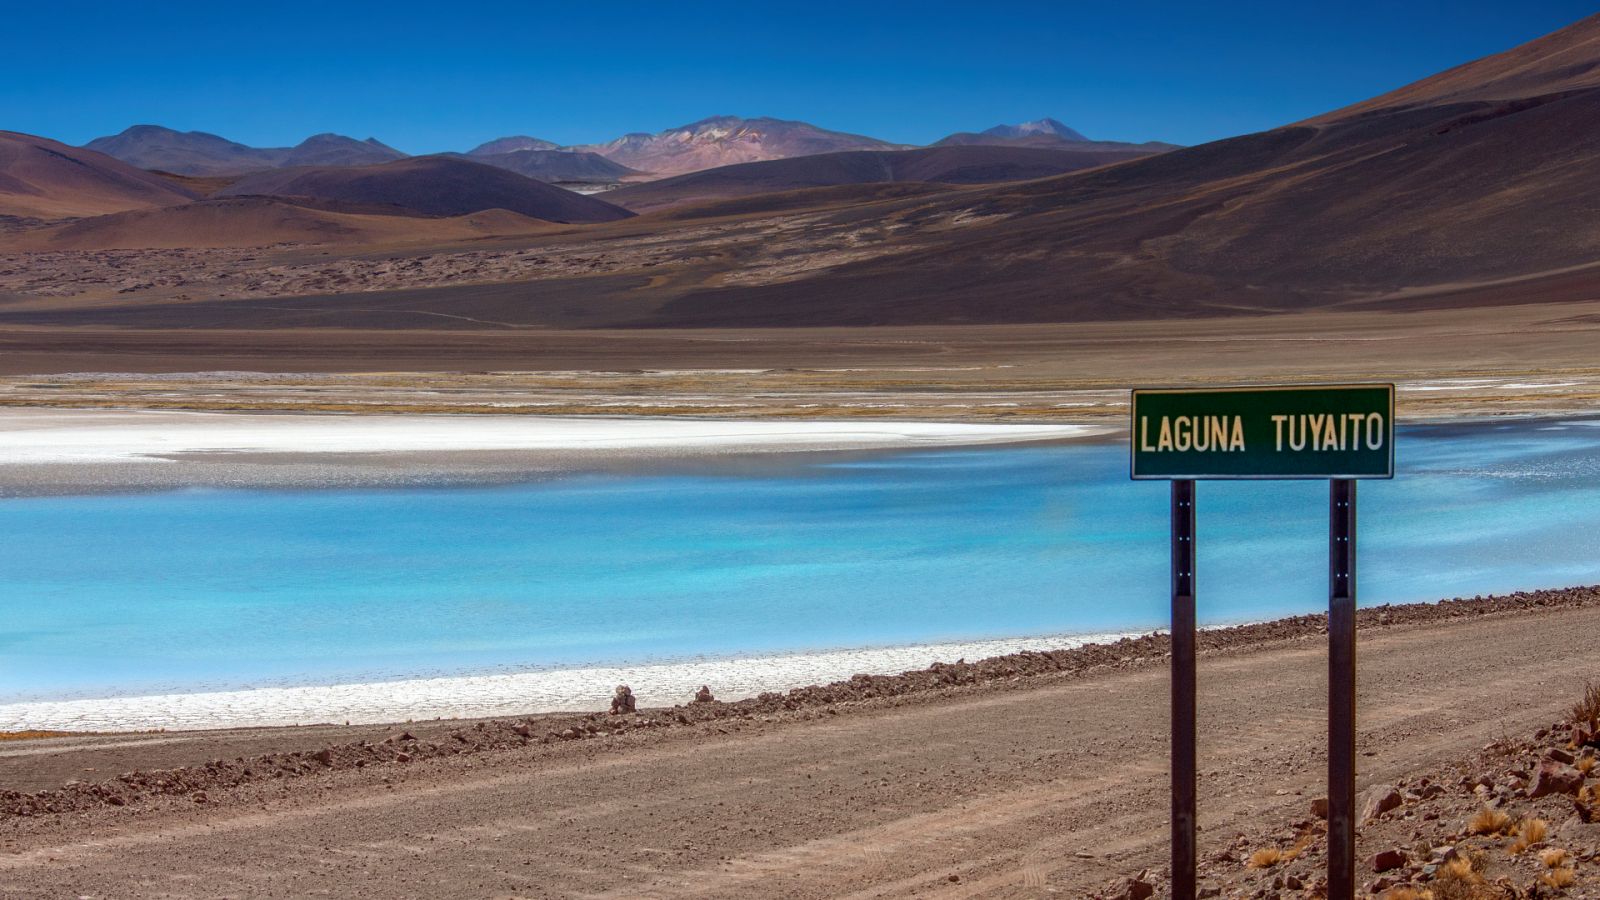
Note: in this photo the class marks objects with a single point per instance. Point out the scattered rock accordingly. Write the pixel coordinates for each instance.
(1555, 778)
(1138, 888)
(1378, 800)
(1559, 755)
(1387, 860)
(1319, 807)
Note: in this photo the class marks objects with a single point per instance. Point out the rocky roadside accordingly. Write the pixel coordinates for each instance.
(217, 780)
(1520, 819)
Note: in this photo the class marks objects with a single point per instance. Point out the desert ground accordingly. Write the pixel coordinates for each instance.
(1533, 358)
(1026, 776)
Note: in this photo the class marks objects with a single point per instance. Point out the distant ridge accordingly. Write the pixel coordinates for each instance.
(1040, 133)
(199, 153)
(338, 150)
(1048, 127)
(512, 145)
(707, 144)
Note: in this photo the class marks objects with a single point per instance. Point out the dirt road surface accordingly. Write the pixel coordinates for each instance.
(1043, 787)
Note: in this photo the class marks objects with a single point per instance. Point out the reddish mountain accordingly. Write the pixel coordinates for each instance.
(41, 178)
(726, 140)
(430, 185)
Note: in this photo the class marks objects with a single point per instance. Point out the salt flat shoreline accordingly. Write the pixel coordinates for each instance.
(58, 451)
(474, 696)
(63, 451)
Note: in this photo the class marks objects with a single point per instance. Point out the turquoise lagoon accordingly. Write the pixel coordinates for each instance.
(125, 594)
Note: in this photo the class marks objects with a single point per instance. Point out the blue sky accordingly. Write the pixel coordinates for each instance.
(435, 76)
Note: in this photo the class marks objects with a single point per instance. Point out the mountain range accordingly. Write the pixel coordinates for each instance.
(1475, 187)
(706, 144)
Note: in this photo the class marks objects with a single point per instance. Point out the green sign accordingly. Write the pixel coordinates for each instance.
(1320, 431)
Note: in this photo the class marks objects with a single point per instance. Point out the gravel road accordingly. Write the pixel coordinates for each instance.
(1018, 787)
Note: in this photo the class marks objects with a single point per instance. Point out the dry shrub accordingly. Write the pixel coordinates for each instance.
(1488, 821)
(1553, 858)
(1534, 830)
(1294, 852)
(1462, 878)
(1405, 892)
(1585, 764)
(1585, 794)
(1559, 879)
(31, 735)
(1265, 858)
(1458, 879)
(1587, 710)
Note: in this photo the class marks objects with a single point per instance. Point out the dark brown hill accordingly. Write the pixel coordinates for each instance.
(941, 165)
(41, 178)
(553, 166)
(1382, 204)
(435, 186)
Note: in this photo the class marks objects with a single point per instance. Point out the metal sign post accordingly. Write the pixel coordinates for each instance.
(1342, 688)
(1183, 689)
(1340, 433)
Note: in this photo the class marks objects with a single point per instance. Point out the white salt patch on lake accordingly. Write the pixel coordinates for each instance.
(99, 436)
(585, 689)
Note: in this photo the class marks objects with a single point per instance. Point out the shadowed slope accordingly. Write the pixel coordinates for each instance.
(552, 165)
(946, 165)
(263, 221)
(435, 186)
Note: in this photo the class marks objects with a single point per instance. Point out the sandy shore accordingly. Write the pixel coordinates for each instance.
(65, 451)
(1025, 776)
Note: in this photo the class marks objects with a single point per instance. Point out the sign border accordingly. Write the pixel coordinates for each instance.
(1133, 394)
